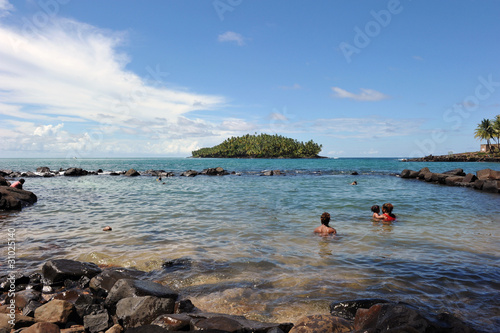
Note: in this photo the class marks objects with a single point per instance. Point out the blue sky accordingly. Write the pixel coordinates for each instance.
(162, 78)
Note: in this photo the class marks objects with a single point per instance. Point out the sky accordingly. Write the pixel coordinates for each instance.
(161, 78)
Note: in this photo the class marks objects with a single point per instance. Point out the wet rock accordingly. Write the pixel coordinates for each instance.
(138, 311)
(173, 322)
(486, 174)
(30, 308)
(132, 173)
(219, 171)
(58, 270)
(347, 309)
(86, 304)
(116, 328)
(19, 280)
(478, 184)
(124, 288)
(4, 182)
(19, 321)
(453, 324)
(423, 172)
(74, 329)
(267, 173)
(469, 178)
(43, 328)
(184, 306)
(177, 264)
(453, 180)
(367, 317)
(4, 173)
(97, 322)
(148, 329)
(15, 199)
(114, 174)
(189, 173)
(222, 323)
(43, 169)
(322, 324)
(492, 186)
(394, 316)
(455, 172)
(73, 172)
(26, 296)
(105, 280)
(55, 311)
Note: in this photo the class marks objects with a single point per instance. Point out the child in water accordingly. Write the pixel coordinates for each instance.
(376, 212)
(324, 228)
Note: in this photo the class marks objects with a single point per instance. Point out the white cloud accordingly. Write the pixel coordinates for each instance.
(230, 36)
(295, 86)
(71, 72)
(366, 128)
(367, 95)
(46, 130)
(5, 8)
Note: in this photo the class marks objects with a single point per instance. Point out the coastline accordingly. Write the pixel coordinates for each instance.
(459, 157)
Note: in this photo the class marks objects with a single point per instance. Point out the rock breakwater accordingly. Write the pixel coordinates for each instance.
(486, 180)
(71, 296)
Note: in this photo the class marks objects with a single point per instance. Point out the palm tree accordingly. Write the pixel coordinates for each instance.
(484, 131)
(496, 130)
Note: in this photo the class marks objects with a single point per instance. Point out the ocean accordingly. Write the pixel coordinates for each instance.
(244, 243)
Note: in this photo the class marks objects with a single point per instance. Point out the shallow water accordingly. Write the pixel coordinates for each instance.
(247, 243)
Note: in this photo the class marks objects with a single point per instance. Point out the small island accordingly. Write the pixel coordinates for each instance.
(261, 146)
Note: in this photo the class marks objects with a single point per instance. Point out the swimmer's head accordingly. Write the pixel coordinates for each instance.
(325, 218)
(387, 208)
(376, 209)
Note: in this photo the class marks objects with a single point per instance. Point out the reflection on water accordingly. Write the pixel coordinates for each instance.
(244, 244)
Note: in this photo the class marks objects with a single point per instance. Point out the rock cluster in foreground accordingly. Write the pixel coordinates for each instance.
(486, 180)
(70, 297)
(14, 198)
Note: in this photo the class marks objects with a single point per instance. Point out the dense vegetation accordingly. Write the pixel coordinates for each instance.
(489, 130)
(261, 146)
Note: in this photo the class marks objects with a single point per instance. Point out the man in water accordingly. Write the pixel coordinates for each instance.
(324, 228)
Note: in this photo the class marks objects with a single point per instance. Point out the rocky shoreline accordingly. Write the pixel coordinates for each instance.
(463, 157)
(486, 180)
(75, 297)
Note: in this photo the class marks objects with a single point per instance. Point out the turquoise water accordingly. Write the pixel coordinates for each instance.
(247, 240)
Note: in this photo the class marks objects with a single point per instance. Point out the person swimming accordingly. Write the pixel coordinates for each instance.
(387, 212)
(324, 228)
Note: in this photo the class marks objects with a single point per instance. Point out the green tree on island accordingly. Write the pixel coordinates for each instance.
(489, 130)
(261, 146)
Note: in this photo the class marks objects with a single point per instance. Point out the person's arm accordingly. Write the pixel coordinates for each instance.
(378, 216)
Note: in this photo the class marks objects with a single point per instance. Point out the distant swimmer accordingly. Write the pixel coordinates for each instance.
(324, 228)
(354, 183)
(18, 184)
